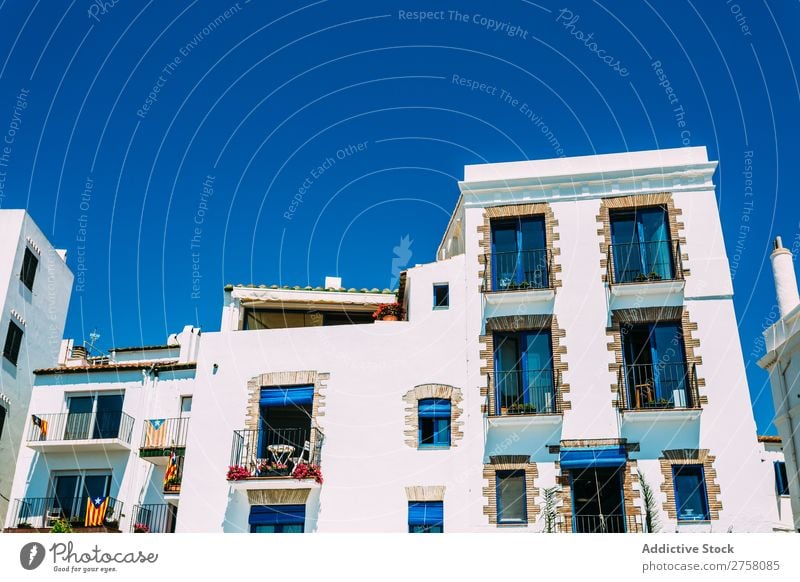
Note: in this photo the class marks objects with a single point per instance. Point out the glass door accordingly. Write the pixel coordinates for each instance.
(109, 414)
(79, 418)
(65, 502)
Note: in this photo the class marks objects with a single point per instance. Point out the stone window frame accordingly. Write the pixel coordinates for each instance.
(664, 199)
(677, 313)
(511, 463)
(518, 211)
(702, 457)
(292, 378)
(423, 391)
(425, 492)
(523, 323)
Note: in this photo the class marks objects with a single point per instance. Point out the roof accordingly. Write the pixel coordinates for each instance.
(142, 348)
(764, 438)
(230, 287)
(118, 367)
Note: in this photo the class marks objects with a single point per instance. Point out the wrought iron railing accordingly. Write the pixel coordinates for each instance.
(68, 426)
(658, 386)
(645, 261)
(154, 518)
(614, 523)
(519, 393)
(518, 270)
(43, 512)
(275, 452)
(164, 433)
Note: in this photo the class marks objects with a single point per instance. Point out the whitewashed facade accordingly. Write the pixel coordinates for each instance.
(35, 286)
(428, 423)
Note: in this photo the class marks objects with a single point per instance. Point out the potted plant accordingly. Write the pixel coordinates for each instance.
(61, 526)
(141, 528)
(76, 521)
(25, 525)
(653, 276)
(308, 471)
(272, 469)
(173, 485)
(389, 312)
(238, 472)
(640, 278)
(110, 522)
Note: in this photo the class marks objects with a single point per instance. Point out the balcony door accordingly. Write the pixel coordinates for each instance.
(95, 417)
(597, 500)
(655, 366)
(641, 246)
(285, 430)
(519, 254)
(524, 373)
(72, 491)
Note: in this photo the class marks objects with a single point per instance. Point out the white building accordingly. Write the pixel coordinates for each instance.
(782, 361)
(773, 455)
(35, 286)
(572, 352)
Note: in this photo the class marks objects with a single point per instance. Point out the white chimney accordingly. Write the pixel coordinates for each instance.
(333, 282)
(785, 279)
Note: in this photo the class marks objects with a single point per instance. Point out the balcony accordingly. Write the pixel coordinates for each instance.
(529, 396)
(154, 518)
(615, 523)
(38, 514)
(645, 268)
(520, 275)
(88, 431)
(659, 388)
(162, 436)
(276, 458)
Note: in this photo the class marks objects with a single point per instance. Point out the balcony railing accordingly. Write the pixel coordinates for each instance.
(658, 386)
(43, 512)
(275, 452)
(518, 270)
(644, 262)
(164, 434)
(70, 426)
(615, 523)
(154, 518)
(520, 393)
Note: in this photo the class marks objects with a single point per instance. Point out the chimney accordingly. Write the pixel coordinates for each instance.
(333, 282)
(785, 279)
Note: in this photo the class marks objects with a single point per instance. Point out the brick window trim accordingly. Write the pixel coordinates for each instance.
(702, 457)
(510, 463)
(423, 391)
(518, 211)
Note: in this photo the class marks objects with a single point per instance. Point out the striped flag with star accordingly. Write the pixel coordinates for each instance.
(42, 424)
(155, 433)
(172, 468)
(96, 511)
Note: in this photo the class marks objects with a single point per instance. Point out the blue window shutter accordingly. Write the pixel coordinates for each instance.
(434, 408)
(287, 396)
(425, 513)
(277, 514)
(585, 458)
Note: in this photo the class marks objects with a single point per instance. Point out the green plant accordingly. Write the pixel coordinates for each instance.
(522, 408)
(25, 525)
(61, 526)
(550, 502)
(651, 519)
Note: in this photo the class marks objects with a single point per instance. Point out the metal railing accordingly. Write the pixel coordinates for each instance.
(170, 433)
(658, 386)
(518, 393)
(275, 452)
(68, 426)
(43, 512)
(154, 518)
(614, 523)
(646, 261)
(518, 270)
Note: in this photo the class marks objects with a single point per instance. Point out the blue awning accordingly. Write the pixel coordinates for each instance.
(582, 458)
(425, 513)
(277, 514)
(434, 408)
(287, 396)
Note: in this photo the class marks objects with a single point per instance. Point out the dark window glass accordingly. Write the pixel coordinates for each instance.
(13, 342)
(2, 420)
(781, 478)
(519, 254)
(690, 492)
(434, 422)
(640, 245)
(29, 264)
(511, 503)
(441, 296)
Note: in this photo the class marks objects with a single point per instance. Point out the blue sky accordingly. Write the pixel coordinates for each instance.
(281, 142)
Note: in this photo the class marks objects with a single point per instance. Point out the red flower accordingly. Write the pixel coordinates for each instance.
(237, 473)
(306, 471)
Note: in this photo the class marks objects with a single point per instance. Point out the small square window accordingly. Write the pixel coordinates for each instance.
(441, 296)
(434, 422)
(29, 264)
(690, 492)
(511, 499)
(13, 342)
(186, 405)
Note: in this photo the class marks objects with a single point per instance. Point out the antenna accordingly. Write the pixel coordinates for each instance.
(93, 337)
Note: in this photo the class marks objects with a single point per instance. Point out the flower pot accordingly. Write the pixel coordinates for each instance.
(389, 318)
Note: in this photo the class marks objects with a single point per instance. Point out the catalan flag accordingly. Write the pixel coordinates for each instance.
(155, 433)
(172, 468)
(42, 424)
(96, 511)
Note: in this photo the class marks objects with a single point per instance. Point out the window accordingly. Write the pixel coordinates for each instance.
(186, 406)
(441, 296)
(511, 502)
(656, 372)
(524, 379)
(71, 491)
(519, 254)
(781, 478)
(13, 342)
(95, 417)
(640, 245)
(425, 516)
(29, 264)
(434, 422)
(2, 419)
(277, 518)
(691, 500)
